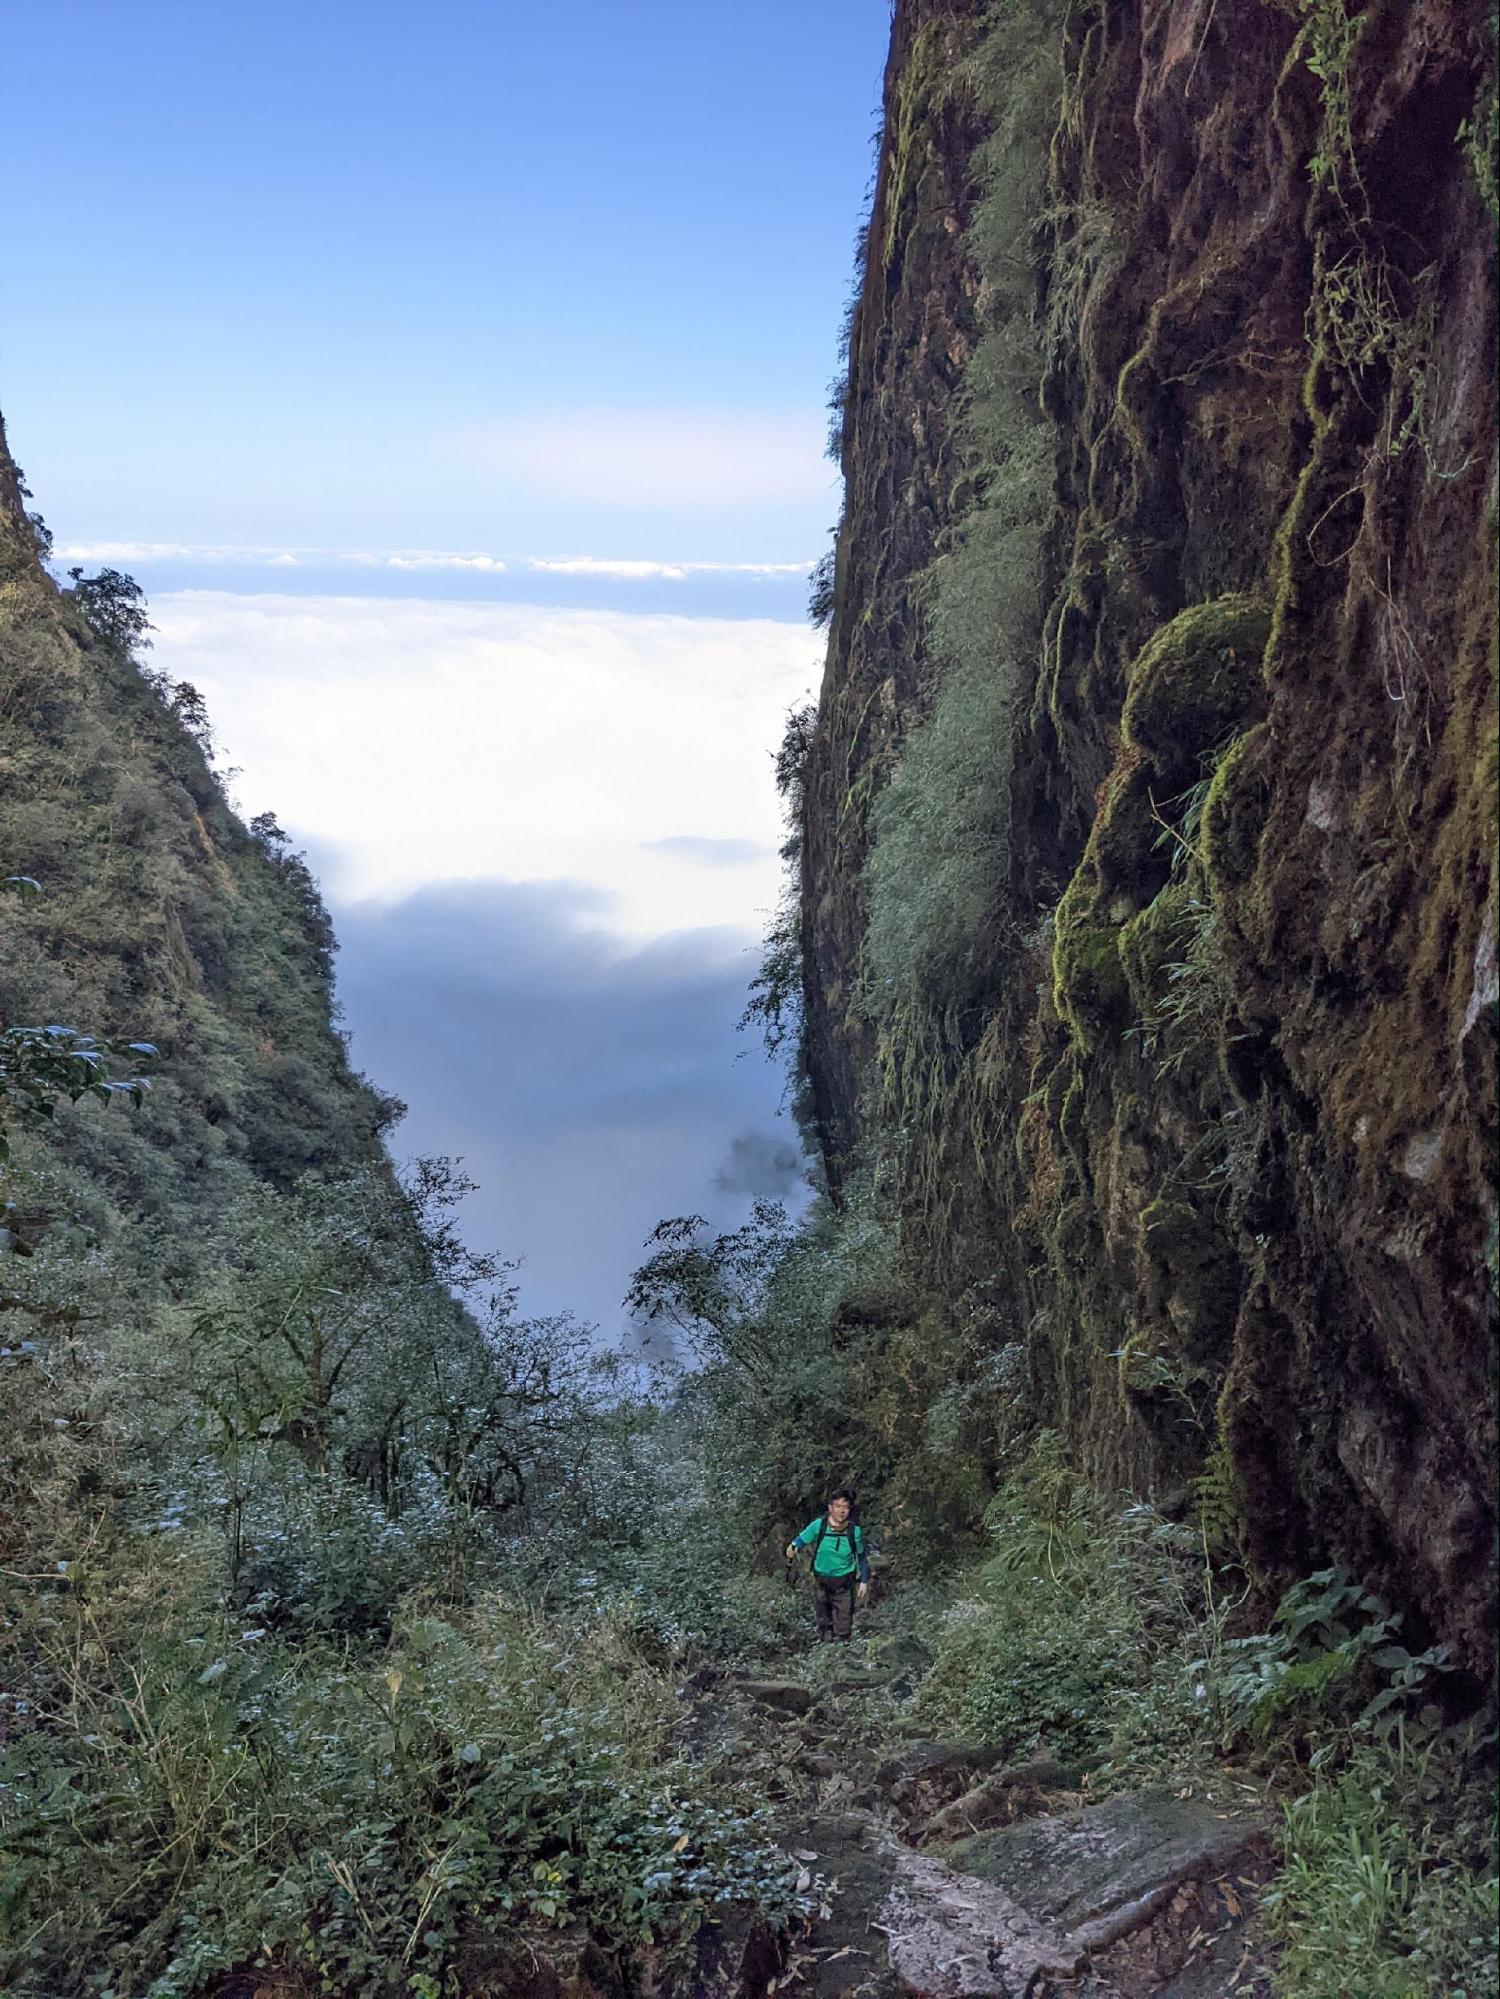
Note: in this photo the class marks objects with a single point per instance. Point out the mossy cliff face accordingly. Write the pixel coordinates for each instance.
(910, 336)
(1217, 1138)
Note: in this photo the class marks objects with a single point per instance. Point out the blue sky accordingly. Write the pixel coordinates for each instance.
(453, 377)
(509, 278)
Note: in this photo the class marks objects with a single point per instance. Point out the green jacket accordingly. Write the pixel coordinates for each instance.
(838, 1554)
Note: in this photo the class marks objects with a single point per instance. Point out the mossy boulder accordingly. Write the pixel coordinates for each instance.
(1195, 682)
(1153, 940)
(1122, 867)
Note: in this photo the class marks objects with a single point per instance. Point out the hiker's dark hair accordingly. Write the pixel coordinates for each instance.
(843, 1492)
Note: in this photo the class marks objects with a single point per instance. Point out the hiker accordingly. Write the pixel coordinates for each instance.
(838, 1555)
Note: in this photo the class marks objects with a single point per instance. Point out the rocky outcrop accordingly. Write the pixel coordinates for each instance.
(1101, 1872)
(957, 1937)
(1218, 1129)
(1147, 1895)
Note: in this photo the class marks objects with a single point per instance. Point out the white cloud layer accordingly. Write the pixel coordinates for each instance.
(421, 741)
(629, 570)
(672, 458)
(251, 556)
(618, 568)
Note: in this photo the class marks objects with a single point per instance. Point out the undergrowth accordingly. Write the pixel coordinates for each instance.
(208, 1796)
(1114, 1640)
(1389, 1886)
(1075, 1635)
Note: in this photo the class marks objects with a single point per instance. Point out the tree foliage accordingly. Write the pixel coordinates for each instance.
(114, 608)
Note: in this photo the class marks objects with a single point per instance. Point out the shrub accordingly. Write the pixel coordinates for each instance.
(1390, 1885)
(1072, 1635)
(114, 607)
(222, 1799)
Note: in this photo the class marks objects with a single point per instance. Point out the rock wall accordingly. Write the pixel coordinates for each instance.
(1219, 1134)
(911, 333)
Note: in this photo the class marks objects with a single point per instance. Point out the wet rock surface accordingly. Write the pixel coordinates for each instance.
(952, 1870)
(1106, 1869)
(952, 1935)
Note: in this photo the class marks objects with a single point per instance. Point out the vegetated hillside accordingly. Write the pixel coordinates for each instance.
(160, 918)
(1147, 893)
(281, 1460)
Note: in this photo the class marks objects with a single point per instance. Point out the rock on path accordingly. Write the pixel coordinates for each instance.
(953, 1936)
(1131, 1898)
(1102, 1871)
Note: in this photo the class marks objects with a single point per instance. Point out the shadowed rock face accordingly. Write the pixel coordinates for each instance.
(1253, 1228)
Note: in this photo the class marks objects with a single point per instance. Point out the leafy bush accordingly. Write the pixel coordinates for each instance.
(821, 592)
(1017, 1670)
(815, 1370)
(114, 607)
(695, 1587)
(1332, 1653)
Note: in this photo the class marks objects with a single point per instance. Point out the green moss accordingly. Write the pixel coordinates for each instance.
(917, 96)
(1070, 1115)
(1152, 941)
(1196, 680)
(857, 798)
(1234, 815)
(1071, 1237)
(1090, 986)
(1127, 420)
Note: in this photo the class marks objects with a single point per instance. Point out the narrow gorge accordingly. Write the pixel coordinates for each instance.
(363, 1632)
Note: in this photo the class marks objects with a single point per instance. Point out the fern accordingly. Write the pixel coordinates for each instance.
(1216, 1502)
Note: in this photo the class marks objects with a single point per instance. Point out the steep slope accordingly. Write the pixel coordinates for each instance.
(161, 918)
(1186, 1062)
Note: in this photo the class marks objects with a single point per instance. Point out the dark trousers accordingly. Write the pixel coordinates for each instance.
(833, 1603)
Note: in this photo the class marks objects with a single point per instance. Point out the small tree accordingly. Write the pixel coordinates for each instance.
(115, 607)
(715, 1289)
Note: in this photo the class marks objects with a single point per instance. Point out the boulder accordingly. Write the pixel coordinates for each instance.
(786, 1696)
(1100, 1872)
(952, 1936)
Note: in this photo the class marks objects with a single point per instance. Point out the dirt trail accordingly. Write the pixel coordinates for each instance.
(953, 1876)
